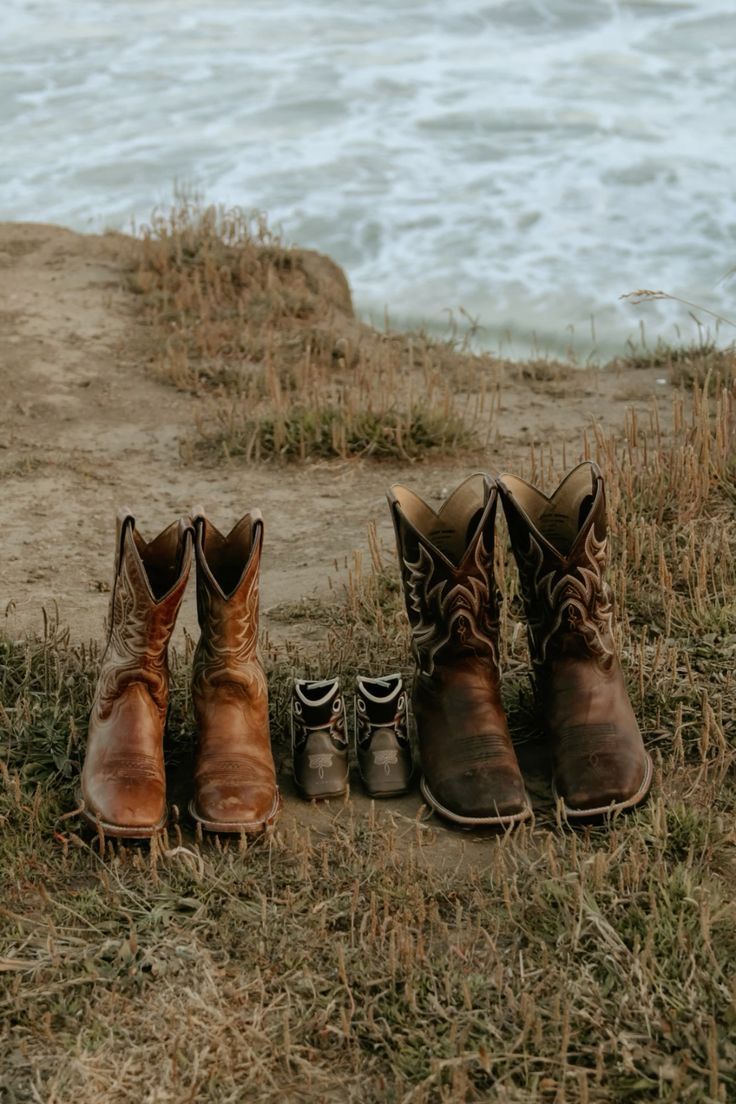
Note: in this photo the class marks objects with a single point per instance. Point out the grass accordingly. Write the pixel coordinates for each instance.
(359, 955)
(332, 424)
(684, 365)
(266, 335)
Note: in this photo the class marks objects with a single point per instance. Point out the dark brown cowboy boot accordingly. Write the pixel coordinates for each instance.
(123, 786)
(470, 772)
(382, 743)
(560, 545)
(234, 775)
(319, 742)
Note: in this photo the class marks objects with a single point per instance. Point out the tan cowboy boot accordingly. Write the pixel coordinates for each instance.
(560, 545)
(470, 772)
(235, 777)
(123, 786)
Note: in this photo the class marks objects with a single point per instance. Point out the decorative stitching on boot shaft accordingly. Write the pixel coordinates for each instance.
(140, 630)
(335, 728)
(228, 646)
(459, 610)
(567, 603)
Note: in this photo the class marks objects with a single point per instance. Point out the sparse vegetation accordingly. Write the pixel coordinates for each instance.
(684, 364)
(370, 958)
(267, 335)
(700, 361)
(331, 427)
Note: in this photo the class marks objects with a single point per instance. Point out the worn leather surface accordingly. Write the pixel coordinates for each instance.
(446, 560)
(382, 740)
(560, 544)
(319, 742)
(234, 776)
(123, 781)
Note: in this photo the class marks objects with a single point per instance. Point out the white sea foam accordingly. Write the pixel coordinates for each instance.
(529, 160)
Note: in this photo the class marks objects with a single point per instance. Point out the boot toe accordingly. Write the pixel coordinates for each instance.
(602, 782)
(129, 807)
(239, 806)
(481, 795)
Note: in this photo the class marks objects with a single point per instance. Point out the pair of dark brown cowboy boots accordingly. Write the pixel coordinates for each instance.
(123, 786)
(470, 771)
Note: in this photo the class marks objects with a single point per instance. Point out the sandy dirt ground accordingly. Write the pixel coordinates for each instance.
(84, 429)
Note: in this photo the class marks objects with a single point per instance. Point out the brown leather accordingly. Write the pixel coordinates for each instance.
(382, 743)
(234, 776)
(560, 544)
(123, 783)
(470, 771)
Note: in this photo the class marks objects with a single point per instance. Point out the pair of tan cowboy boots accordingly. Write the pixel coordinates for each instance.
(123, 785)
(470, 771)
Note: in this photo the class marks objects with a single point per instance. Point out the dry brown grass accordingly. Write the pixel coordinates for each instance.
(684, 365)
(268, 337)
(353, 962)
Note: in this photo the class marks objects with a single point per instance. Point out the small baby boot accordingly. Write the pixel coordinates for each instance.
(382, 736)
(319, 742)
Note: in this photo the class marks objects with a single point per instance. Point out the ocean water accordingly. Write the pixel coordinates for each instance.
(526, 161)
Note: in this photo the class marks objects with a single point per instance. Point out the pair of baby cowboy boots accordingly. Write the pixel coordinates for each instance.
(319, 737)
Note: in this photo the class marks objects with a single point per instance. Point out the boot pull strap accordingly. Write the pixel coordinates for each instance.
(124, 521)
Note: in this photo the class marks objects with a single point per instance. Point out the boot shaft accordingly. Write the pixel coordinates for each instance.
(446, 563)
(228, 577)
(560, 544)
(148, 588)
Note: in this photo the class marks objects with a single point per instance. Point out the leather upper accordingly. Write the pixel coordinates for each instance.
(381, 734)
(560, 544)
(235, 777)
(123, 778)
(446, 560)
(319, 742)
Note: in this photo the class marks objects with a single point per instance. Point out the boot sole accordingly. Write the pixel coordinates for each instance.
(306, 796)
(387, 793)
(121, 831)
(613, 807)
(225, 827)
(507, 821)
